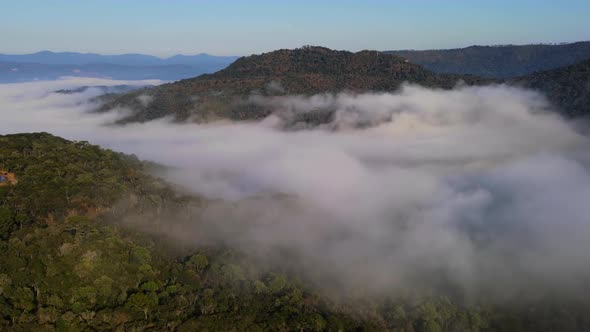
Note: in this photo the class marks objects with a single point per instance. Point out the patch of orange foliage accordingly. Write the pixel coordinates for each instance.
(10, 178)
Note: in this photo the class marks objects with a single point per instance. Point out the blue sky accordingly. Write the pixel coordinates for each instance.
(231, 27)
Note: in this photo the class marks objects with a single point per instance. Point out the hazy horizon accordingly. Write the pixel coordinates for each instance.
(264, 51)
(238, 28)
(404, 166)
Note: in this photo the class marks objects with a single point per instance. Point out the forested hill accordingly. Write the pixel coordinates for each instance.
(70, 263)
(568, 87)
(312, 60)
(499, 61)
(313, 70)
(307, 70)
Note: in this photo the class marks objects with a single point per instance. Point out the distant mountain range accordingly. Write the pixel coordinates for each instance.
(72, 58)
(50, 65)
(499, 61)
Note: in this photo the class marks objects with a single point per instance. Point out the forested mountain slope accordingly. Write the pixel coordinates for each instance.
(568, 87)
(70, 263)
(499, 61)
(307, 70)
(228, 93)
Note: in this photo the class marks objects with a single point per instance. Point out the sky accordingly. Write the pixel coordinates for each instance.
(232, 27)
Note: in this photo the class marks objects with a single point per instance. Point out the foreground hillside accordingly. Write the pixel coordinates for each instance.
(499, 61)
(14, 72)
(71, 262)
(308, 70)
(66, 266)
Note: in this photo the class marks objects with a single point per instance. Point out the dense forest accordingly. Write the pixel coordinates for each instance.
(568, 87)
(70, 263)
(501, 61)
(227, 94)
(308, 70)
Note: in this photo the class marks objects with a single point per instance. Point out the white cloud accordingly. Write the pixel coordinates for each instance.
(145, 100)
(479, 187)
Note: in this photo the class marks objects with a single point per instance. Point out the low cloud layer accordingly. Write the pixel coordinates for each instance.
(478, 190)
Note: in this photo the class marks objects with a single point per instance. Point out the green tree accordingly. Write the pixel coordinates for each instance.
(143, 303)
(23, 298)
(198, 262)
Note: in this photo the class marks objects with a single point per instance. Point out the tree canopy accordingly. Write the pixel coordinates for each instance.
(67, 265)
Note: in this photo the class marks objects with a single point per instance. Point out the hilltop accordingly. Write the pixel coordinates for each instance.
(307, 70)
(315, 70)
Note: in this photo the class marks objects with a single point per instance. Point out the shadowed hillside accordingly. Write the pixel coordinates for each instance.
(307, 70)
(568, 87)
(47, 65)
(314, 70)
(499, 61)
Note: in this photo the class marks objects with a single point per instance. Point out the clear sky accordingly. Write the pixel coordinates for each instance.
(231, 27)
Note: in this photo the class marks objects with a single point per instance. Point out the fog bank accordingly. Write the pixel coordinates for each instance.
(478, 190)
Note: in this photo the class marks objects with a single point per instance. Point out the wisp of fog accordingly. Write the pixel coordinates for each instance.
(479, 190)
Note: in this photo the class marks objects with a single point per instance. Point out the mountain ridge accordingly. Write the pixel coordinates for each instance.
(73, 261)
(129, 59)
(499, 61)
(307, 70)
